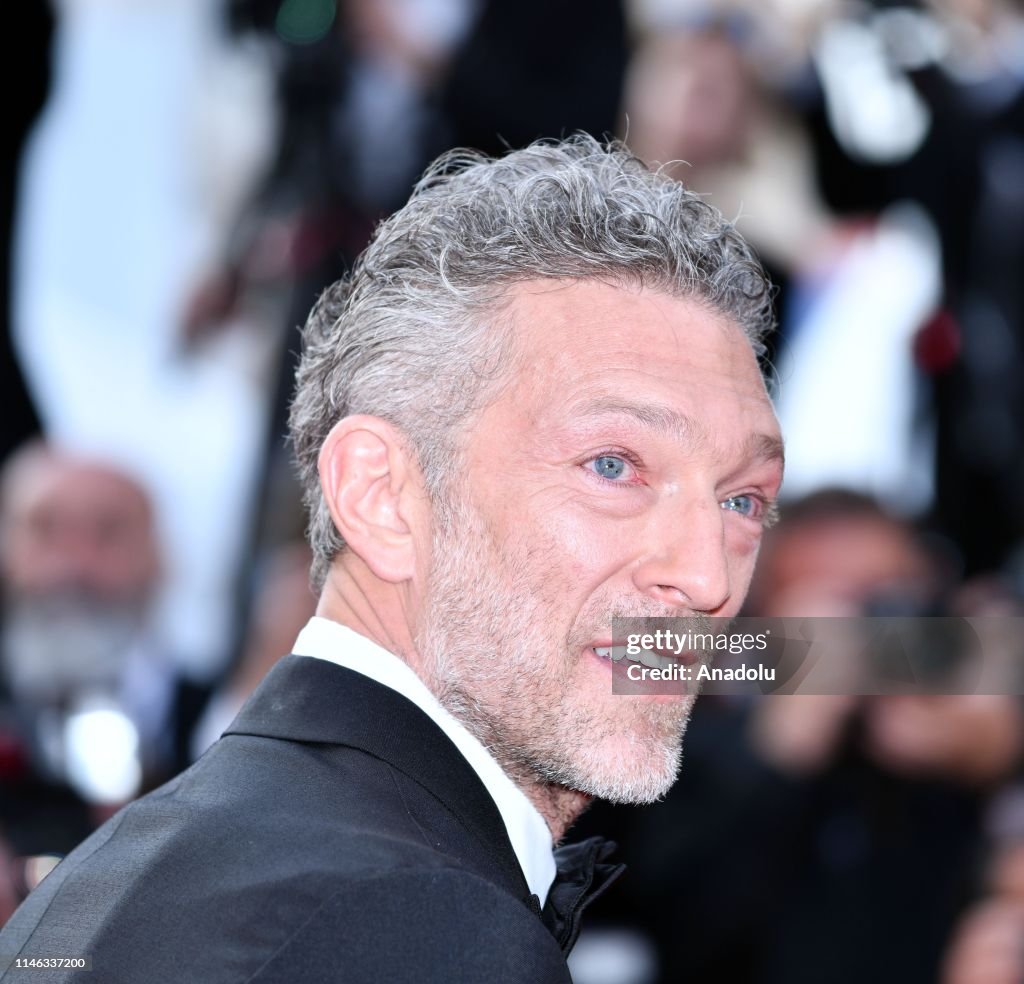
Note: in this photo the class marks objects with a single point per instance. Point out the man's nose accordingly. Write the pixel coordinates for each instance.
(686, 564)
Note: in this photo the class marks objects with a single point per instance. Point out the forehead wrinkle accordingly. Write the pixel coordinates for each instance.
(680, 427)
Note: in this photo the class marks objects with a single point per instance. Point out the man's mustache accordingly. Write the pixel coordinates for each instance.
(647, 623)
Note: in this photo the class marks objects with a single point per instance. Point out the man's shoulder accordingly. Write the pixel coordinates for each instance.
(266, 846)
(257, 811)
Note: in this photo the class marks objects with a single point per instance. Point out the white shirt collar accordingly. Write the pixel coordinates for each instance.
(323, 638)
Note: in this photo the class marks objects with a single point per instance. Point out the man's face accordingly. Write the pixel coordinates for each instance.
(73, 526)
(79, 563)
(623, 471)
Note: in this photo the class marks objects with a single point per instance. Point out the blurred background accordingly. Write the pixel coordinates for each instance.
(186, 175)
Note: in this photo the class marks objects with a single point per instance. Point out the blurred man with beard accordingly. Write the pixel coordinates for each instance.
(534, 405)
(86, 679)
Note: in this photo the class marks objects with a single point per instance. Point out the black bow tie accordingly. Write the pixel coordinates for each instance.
(584, 873)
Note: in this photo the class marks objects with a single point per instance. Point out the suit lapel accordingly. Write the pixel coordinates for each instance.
(312, 700)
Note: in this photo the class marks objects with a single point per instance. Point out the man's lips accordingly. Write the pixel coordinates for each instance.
(617, 653)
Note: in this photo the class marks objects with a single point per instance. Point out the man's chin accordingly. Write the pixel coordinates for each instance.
(634, 776)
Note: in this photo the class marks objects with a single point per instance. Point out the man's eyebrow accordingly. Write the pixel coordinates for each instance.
(678, 426)
(767, 447)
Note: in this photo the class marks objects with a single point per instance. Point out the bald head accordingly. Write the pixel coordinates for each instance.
(71, 523)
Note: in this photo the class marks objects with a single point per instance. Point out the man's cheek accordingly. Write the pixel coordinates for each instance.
(743, 545)
(587, 552)
(742, 563)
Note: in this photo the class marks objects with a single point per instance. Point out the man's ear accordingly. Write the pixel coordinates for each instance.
(375, 494)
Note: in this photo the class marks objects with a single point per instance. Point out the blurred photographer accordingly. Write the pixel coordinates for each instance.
(841, 554)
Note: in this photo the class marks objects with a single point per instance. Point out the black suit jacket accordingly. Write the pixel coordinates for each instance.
(334, 833)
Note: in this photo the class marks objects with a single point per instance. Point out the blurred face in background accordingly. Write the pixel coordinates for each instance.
(981, 13)
(833, 566)
(689, 97)
(79, 562)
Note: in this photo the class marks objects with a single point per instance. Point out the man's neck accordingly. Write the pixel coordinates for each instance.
(355, 600)
(560, 807)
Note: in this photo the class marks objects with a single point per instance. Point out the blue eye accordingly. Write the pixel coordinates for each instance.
(609, 466)
(745, 505)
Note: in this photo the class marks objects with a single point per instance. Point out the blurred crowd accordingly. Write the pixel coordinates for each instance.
(192, 173)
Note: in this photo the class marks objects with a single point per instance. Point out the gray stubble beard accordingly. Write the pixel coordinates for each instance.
(479, 646)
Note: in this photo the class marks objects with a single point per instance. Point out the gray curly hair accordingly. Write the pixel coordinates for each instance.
(413, 334)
